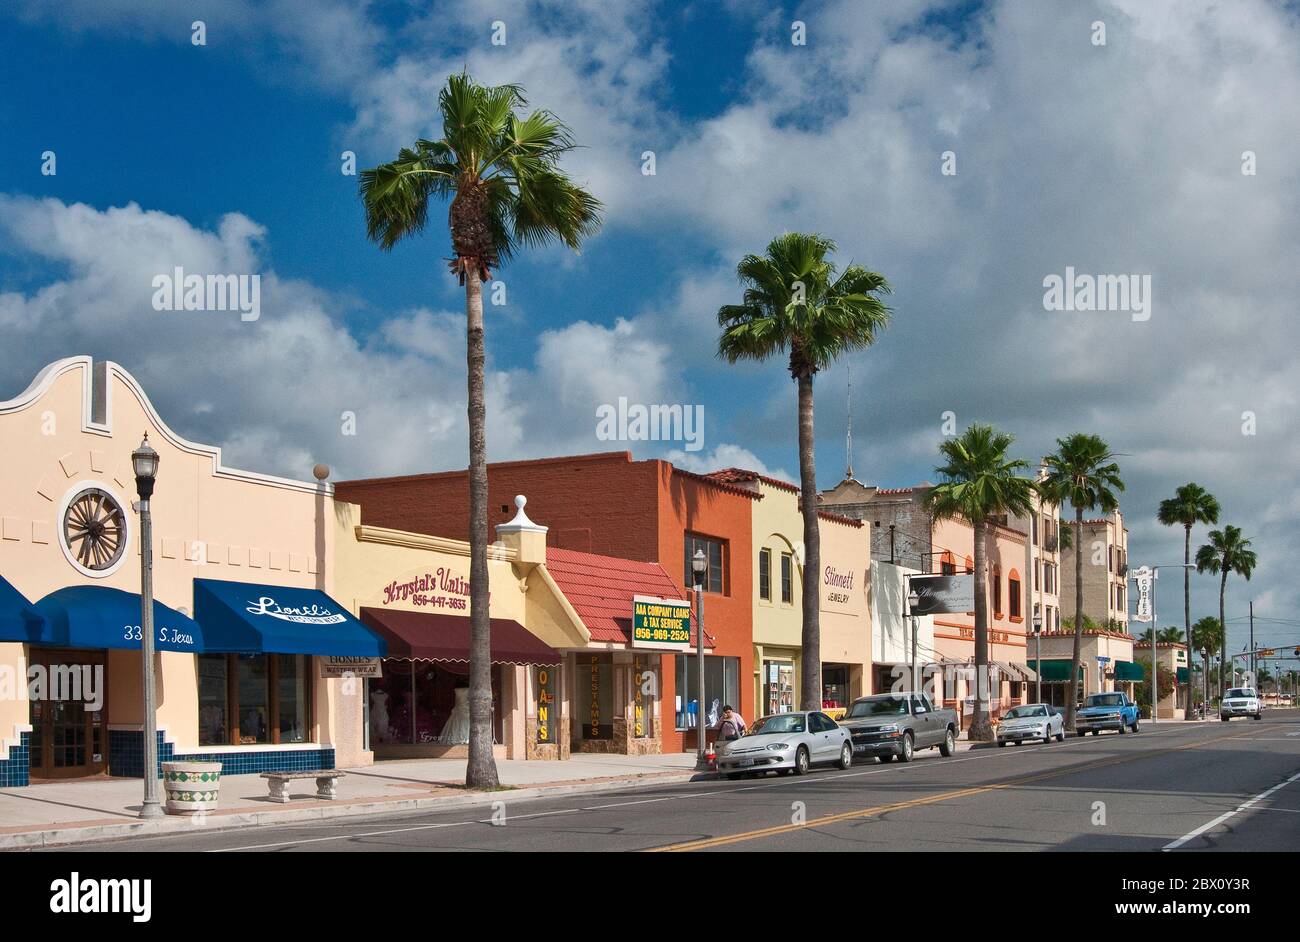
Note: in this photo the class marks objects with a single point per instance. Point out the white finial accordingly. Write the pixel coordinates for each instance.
(520, 521)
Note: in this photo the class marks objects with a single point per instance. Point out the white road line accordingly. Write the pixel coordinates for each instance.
(892, 767)
(1174, 845)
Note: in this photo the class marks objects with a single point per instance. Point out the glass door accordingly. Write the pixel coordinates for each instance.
(69, 714)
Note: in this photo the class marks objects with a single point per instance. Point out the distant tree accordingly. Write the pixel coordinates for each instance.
(1226, 552)
(1190, 505)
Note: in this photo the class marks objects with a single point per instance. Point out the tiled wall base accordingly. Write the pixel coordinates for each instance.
(15, 768)
(126, 757)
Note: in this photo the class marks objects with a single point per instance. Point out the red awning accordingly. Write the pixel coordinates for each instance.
(440, 637)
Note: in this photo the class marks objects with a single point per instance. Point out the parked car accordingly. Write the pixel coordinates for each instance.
(1106, 711)
(896, 725)
(785, 743)
(1241, 701)
(1031, 721)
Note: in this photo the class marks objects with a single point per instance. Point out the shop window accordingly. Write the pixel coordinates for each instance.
(422, 702)
(721, 686)
(778, 687)
(835, 687)
(253, 699)
(787, 578)
(765, 574)
(1013, 593)
(948, 564)
(997, 591)
(715, 575)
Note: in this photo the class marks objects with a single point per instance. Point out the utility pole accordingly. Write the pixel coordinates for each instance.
(1252, 637)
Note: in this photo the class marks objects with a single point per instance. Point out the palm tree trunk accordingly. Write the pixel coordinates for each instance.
(481, 771)
(810, 697)
(1078, 620)
(1223, 635)
(980, 728)
(1187, 619)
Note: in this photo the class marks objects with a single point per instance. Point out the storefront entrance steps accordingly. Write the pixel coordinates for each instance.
(105, 808)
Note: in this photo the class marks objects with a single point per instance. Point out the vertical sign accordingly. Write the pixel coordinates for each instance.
(547, 706)
(642, 698)
(1143, 577)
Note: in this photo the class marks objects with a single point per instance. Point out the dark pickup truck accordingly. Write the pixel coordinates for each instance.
(889, 725)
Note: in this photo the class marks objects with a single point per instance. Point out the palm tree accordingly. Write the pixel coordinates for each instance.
(1208, 638)
(1190, 505)
(501, 174)
(980, 483)
(1170, 635)
(1227, 551)
(794, 301)
(1083, 472)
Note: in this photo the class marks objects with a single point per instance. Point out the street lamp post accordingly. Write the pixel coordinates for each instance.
(144, 462)
(913, 597)
(698, 566)
(1038, 655)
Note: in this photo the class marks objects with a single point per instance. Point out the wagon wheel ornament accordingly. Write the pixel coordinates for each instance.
(93, 528)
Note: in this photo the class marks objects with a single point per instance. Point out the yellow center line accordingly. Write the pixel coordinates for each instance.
(877, 810)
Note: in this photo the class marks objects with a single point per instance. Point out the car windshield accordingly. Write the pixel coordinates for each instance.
(781, 723)
(878, 706)
(1023, 712)
(1106, 699)
(1241, 692)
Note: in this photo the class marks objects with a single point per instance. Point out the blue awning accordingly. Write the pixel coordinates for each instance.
(94, 616)
(247, 618)
(12, 625)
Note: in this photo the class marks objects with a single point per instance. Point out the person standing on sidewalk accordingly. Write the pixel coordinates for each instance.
(731, 725)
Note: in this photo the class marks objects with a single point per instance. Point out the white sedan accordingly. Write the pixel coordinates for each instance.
(785, 743)
(1031, 721)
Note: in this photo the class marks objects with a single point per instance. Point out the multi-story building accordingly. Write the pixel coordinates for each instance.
(1105, 572)
(610, 505)
(903, 532)
(1043, 526)
(778, 591)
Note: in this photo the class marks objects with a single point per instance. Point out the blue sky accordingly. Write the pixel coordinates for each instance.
(1116, 158)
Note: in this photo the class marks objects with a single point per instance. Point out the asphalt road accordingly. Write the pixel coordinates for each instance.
(1173, 786)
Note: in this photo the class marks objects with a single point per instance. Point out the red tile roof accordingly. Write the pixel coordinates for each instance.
(600, 589)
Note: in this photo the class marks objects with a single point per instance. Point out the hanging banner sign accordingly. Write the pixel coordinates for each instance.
(943, 595)
(664, 624)
(1143, 577)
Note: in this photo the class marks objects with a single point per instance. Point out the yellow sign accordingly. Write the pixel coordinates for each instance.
(663, 624)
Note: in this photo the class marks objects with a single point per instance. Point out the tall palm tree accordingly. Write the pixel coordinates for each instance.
(1207, 636)
(1083, 472)
(795, 302)
(500, 172)
(1190, 505)
(978, 484)
(1226, 552)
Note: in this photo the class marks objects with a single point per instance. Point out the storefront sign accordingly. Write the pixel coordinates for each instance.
(661, 623)
(596, 696)
(548, 710)
(306, 615)
(332, 666)
(838, 586)
(1143, 577)
(441, 589)
(942, 595)
(643, 688)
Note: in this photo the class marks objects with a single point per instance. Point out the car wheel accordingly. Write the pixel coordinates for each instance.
(1135, 725)
(846, 756)
(1123, 727)
(886, 758)
(1224, 718)
(1047, 739)
(1096, 732)
(1060, 737)
(1259, 716)
(1001, 743)
(1081, 734)
(949, 744)
(801, 761)
(733, 776)
(906, 754)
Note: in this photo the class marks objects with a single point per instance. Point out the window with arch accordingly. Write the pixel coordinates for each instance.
(948, 564)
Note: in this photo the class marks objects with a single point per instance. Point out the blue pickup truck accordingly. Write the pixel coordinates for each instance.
(1106, 711)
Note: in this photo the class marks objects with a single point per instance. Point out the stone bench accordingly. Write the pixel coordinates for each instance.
(326, 783)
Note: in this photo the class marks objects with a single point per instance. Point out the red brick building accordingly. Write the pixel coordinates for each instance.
(611, 505)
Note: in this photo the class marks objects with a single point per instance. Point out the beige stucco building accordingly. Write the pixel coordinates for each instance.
(1105, 572)
(845, 614)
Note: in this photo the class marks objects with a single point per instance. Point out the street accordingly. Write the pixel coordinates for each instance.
(1173, 786)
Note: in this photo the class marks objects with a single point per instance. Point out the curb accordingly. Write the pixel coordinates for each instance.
(171, 825)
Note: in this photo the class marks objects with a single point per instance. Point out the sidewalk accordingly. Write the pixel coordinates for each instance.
(100, 809)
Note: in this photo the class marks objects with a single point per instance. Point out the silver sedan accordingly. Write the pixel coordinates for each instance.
(1040, 721)
(785, 743)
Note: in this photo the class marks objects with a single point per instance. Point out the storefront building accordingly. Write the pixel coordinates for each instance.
(1106, 663)
(244, 611)
(891, 636)
(845, 616)
(610, 505)
(1171, 661)
(412, 589)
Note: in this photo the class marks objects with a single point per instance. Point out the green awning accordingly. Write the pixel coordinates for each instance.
(1127, 670)
(1054, 671)
(1183, 676)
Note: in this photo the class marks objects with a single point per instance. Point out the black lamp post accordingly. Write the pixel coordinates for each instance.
(144, 461)
(699, 564)
(913, 599)
(1038, 655)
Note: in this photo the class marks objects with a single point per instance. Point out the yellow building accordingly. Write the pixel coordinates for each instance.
(845, 615)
